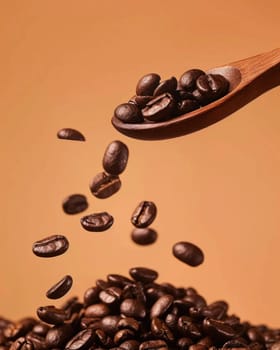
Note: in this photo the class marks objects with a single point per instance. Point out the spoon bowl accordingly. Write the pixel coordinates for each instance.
(248, 79)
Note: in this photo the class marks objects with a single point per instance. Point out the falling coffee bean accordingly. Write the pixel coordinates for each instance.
(60, 288)
(50, 246)
(105, 185)
(70, 134)
(74, 204)
(144, 214)
(115, 158)
(144, 236)
(97, 222)
(188, 253)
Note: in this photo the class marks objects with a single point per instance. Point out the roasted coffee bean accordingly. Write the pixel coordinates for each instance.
(198, 347)
(37, 341)
(58, 336)
(74, 204)
(143, 274)
(91, 296)
(16, 330)
(215, 310)
(147, 84)
(97, 310)
(161, 306)
(187, 106)
(187, 327)
(131, 344)
(110, 324)
(102, 285)
(60, 288)
(144, 214)
(255, 335)
(211, 87)
(169, 85)
(97, 222)
(219, 331)
(160, 330)
(90, 322)
(153, 345)
(115, 158)
(133, 308)
(110, 295)
(70, 134)
(81, 341)
(188, 253)
(102, 338)
(207, 341)
(105, 185)
(184, 343)
(128, 113)
(122, 335)
(140, 101)
(188, 79)
(52, 315)
(129, 323)
(118, 280)
(50, 246)
(22, 344)
(41, 329)
(160, 108)
(144, 236)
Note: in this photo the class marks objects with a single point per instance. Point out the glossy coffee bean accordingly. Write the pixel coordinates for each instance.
(144, 236)
(97, 222)
(160, 108)
(51, 246)
(188, 79)
(81, 341)
(187, 106)
(143, 274)
(118, 280)
(60, 288)
(147, 84)
(133, 308)
(15, 330)
(74, 204)
(144, 214)
(169, 85)
(161, 306)
(160, 329)
(129, 323)
(212, 86)
(115, 158)
(110, 295)
(105, 185)
(51, 315)
(140, 101)
(97, 310)
(91, 296)
(188, 253)
(22, 344)
(131, 344)
(58, 336)
(109, 324)
(153, 345)
(128, 113)
(70, 134)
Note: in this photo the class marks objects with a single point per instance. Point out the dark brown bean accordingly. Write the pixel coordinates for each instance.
(52, 315)
(110, 324)
(58, 336)
(161, 305)
(147, 84)
(118, 280)
(144, 214)
(105, 185)
(22, 344)
(133, 308)
(160, 330)
(74, 204)
(97, 222)
(169, 85)
(144, 236)
(143, 274)
(128, 113)
(60, 288)
(81, 341)
(115, 158)
(188, 79)
(51, 246)
(91, 296)
(131, 344)
(153, 345)
(188, 253)
(110, 295)
(97, 310)
(160, 108)
(70, 134)
(140, 101)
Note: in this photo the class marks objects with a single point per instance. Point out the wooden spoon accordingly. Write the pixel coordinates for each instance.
(249, 78)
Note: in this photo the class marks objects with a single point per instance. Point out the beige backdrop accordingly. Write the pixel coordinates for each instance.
(67, 63)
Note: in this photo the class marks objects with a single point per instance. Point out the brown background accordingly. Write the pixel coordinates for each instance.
(68, 64)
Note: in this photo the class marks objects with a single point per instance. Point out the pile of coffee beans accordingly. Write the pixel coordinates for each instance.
(136, 313)
(157, 100)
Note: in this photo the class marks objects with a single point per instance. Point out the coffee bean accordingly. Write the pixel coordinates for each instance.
(161, 330)
(22, 344)
(188, 253)
(144, 236)
(131, 344)
(37, 341)
(184, 343)
(115, 158)
(160, 108)
(51, 246)
(153, 345)
(70, 134)
(97, 222)
(91, 296)
(60, 288)
(219, 331)
(169, 85)
(58, 336)
(110, 295)
(147, 84)
(97, 310)
(188, 79)
(128, 113)
(187, 106)
(105, 185)
(133, 308)
(51, 315)
(144, 214)
(118, 280)
(122, 335)
(81, 341)
(140, 101)
(41, 329)
(15, 330)
(143, 274)
(211, 87)
(74, 204)
(109, 324)
(161, 306)
(129, 323)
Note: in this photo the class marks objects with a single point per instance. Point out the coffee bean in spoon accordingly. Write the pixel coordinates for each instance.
(188, 253)
(188, 79)
(211, 87)
(70, 134)
(97, 222)
(74, 204)
(50, 246)
(115, 158)
(128, 113)
(169, 85)
(147, 84)
(60, 288)
(160, 108)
